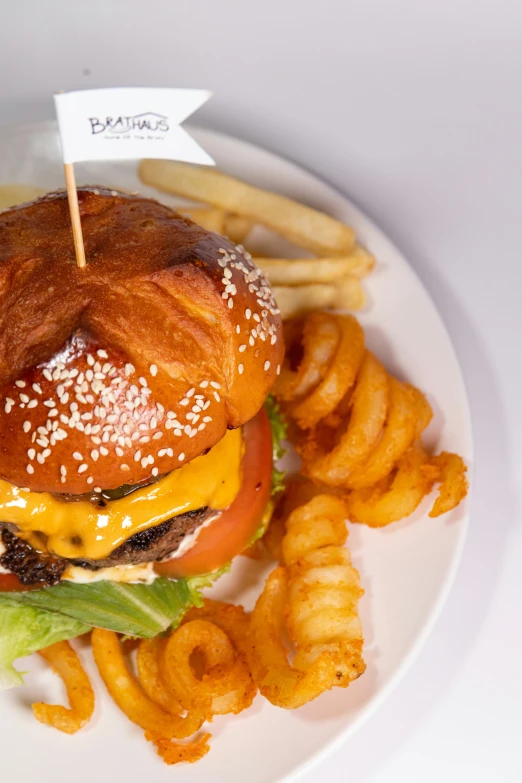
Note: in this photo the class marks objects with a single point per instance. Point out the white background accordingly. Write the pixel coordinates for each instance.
(414, 109)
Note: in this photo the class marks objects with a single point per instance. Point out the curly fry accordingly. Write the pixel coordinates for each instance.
(225, 686)
(317, 593)
(129, 696)
(387, 502)
(175, 752)
(454, 484)
(65, 662)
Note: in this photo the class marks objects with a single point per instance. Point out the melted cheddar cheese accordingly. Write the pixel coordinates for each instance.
(85, 530)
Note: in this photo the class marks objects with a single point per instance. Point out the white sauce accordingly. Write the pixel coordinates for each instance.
(143, 572)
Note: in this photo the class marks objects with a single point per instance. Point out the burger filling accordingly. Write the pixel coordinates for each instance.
(43, 534)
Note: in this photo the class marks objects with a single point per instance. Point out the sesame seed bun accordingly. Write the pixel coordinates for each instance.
(138, 363)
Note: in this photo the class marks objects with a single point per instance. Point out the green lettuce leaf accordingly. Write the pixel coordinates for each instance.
(131, 609)
(279, 434)
(25, 630)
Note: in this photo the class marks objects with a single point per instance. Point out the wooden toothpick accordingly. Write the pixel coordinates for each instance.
(74, 209)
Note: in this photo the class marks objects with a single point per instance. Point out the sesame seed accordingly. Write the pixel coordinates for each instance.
(97, 489)
(153, 423)
(215, 385)
(144, 439)
(242, 348)
(29, 468)
(216, 395)
(181, 457)
(124, 467)
(102, 354)
(26, 426)
(278, 369)
(53, 412)
(184, 401)
(119, 451)
(240, 369)
(77, 455)
(231, 303)
(24, 398)
(47, 374)
(155, 471)
(129, 369)
(7, 407)
(157, 435)
(153, 370)
(266, 365)
(203, 385)
(20, 384)
(196, 409)
(190, 392)
(90, 360)
(104, 451)
(144, 462)
(94, 455)
(83, 468)
(161, 453)
(137, 456)
(190, 416)
(207, 419)
(43, 442)
(64, 399)
(46, 453)
(31, 453)
(37, 388)
(177, 433)
(89, 375)
(248, 313)
(170, 452)
(142, 380)
(90, 480)
(251, 341)
(201, 427)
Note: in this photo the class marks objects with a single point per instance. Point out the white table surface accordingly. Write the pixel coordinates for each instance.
(414, 109)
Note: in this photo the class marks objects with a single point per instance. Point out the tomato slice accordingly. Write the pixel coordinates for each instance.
(231, 532)
(9, 583)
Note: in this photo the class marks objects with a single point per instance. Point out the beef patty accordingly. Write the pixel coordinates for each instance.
(43, 569)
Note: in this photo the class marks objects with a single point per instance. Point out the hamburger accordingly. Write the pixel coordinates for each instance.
(134, 442)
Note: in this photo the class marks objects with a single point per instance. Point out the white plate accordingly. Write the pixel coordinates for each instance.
(406, 569)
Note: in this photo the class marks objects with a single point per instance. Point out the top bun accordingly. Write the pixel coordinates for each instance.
(139, 362)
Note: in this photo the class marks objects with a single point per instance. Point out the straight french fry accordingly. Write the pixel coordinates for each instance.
(12, 195)
(207, 217)
(305, 271)
(300, 224)
(297, 300)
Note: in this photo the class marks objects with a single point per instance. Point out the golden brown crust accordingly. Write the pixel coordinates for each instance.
(181, 306)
